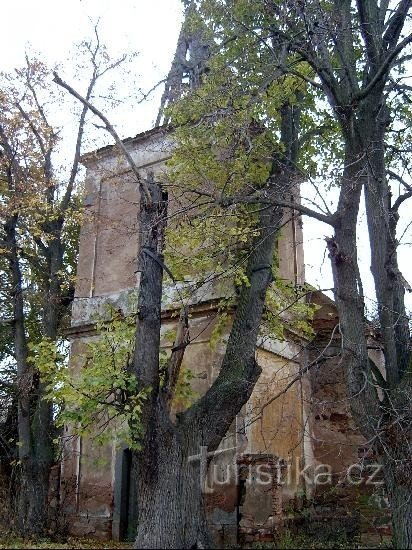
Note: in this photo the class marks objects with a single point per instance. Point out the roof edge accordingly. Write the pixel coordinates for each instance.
(91, 156)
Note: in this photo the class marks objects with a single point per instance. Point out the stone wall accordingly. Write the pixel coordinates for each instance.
(352, 498)
(261, 504)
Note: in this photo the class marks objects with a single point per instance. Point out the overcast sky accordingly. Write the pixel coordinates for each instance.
(150, 27)
(54, 27)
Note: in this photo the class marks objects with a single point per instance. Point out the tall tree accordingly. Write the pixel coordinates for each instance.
(39, 233)
(353, 56)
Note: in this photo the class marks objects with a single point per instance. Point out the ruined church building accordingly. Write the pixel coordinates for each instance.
(306, 427)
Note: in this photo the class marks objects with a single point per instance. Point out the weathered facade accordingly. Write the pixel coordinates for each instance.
(267, 461)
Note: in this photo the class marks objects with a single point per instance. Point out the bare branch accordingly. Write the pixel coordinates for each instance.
(33, 128)
(113, 65)
(395, 24)
(385, 66)
(329, 219)
(36, 99)
(111, 131)
(398, 178)
(368, 16)
(400, 200)
(152, 89)
(76, 161)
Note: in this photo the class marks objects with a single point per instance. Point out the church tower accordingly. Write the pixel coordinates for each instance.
(189, 62)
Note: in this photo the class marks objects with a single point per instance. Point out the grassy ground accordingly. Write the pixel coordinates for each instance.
(285, 542)
(7, 541)
(72, 543)
(294, 541)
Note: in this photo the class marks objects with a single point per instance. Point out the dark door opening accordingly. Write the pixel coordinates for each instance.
(125, 505)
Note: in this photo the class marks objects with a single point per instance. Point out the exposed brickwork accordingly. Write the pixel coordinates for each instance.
(255, 526)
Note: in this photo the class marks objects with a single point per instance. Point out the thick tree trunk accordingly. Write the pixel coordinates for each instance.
(169, 493)
(359, 107)
(33, 480)
(35, 421)
(32, 502)
(399, 491)
(381, 235)
(342, 247)
(169, 498)
(169, 488)
(395, 448)
(395, 445)
(396, 452)
(36, 465)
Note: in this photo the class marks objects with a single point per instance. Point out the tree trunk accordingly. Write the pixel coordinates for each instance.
(394, 446)
(359, 105)
(381, 235)
(169, 489)
(33, 493)
(33, 482)
(169, 499)
(169, 493)
(342, 247)
(37, 462)
(34, 413)
(386, 422)
(395, 451)
(399, 490)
